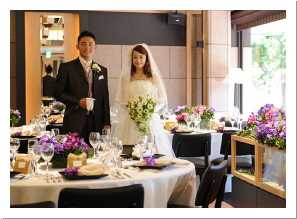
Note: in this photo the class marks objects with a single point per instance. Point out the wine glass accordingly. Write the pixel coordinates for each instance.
(232, 121)
(14, 145)
(33, 124)
(47, 113)
(31, 145)
(113, 114)
(42, 123)
(94, 139)
(142, 145)
(42, 112)
(55, 132)
(151, 141)
(47, 152)
(101, 149)
(118, 151)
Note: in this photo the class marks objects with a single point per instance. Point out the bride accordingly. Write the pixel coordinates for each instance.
(140, 76)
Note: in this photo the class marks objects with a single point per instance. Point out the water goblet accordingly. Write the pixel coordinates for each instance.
(37, 149)
(232, 121)
(151, 141)
(102, 149)
(14, 146)
(94, 139)
(31, 145)
(47, 152)
(55, 132)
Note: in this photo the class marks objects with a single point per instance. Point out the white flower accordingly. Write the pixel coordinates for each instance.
(145, 111)
(150, 106)
(139, 115)
(144, 102)
(139, 109)
(96, 67)
(141, 126)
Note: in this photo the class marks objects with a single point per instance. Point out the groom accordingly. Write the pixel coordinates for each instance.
(77, 80)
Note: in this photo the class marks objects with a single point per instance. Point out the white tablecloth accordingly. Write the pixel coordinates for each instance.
(174, 185)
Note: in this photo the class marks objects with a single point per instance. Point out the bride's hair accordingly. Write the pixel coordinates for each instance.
(147, 66)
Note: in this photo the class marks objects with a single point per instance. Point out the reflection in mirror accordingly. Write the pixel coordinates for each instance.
(51, 52)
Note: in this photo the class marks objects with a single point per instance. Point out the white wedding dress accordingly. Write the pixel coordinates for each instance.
(126, 130)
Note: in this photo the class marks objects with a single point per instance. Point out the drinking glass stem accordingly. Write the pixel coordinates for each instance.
(47, 168)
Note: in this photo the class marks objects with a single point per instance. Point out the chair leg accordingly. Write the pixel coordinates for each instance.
(207, 199)
(200, 176)
(220, 197)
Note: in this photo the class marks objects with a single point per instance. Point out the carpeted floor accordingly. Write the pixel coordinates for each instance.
(226, 203)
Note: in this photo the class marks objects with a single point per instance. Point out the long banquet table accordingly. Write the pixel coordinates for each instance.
(176, 184)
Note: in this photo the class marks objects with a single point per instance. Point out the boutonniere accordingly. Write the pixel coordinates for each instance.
(96, 67)
(101, 77)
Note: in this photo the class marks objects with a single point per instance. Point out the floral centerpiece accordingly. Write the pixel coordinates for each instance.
(268, 127)
(141, 109)
(58, 106)
(184, 114)
(70, 144)
(206, 114)
(15, 116)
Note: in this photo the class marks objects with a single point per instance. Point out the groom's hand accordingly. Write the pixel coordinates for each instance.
(83, 103)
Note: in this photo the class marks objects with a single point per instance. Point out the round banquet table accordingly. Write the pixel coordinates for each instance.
(176, 184)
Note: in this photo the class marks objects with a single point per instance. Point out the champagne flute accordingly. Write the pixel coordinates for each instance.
(31, 145)
(37, 119)
(36, 157)
(33, 124)
(94, 139)
(14, 146)
(142, 145)
(47, 153)
(42, 123)
(151, 141)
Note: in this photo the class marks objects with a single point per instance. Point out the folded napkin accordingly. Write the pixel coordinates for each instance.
(93, 169)
(185, 130)
(59, 121)
(158, 163)
(147, 153)
(34, 133)
(26, 133)
(173, 160)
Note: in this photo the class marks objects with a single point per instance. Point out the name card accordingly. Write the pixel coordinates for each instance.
(22, 164)
(76, 161)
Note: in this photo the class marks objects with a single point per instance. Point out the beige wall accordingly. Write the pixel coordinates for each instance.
(171, 61)
(217, 49)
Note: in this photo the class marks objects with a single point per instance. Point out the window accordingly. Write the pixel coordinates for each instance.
(267, 71)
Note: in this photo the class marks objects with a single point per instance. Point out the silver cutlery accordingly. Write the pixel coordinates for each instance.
(53, 178)
(126, 174)
(58, 177)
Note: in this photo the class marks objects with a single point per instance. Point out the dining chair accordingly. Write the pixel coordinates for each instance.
(127, 149)
(46, 204)
(241, 152)
(122, 197)
(211, 188)
(192, 146)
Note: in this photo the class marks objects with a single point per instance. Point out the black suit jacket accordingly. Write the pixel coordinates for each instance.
(71, 85)
(48, 84)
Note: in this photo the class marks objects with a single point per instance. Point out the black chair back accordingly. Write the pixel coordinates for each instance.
(122, 197)
(212, 185)
(47, 204)
(127, 149)
(226, 142)
(191, 145)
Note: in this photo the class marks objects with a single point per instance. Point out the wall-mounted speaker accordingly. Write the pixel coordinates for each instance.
(175, 19)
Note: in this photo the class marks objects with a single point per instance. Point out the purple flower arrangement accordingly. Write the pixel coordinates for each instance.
(267, 127)
(174, 129)
(183, 114)
(15, 116)
(71, 171)
(150, 161)
(204, 112)
(58, 106)
(222, 119)
(17, 134)
(220, 128)
(70, 144)
(53, 121)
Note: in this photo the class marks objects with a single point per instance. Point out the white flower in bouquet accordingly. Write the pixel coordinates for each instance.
(141, 109)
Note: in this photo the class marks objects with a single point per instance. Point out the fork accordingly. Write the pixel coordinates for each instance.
(53, 178)
(58, 177)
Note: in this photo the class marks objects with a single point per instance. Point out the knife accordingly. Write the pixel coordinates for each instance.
(127, 175)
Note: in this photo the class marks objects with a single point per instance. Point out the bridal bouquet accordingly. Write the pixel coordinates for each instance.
(70, 144)
(268, 126)
(141, 109)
